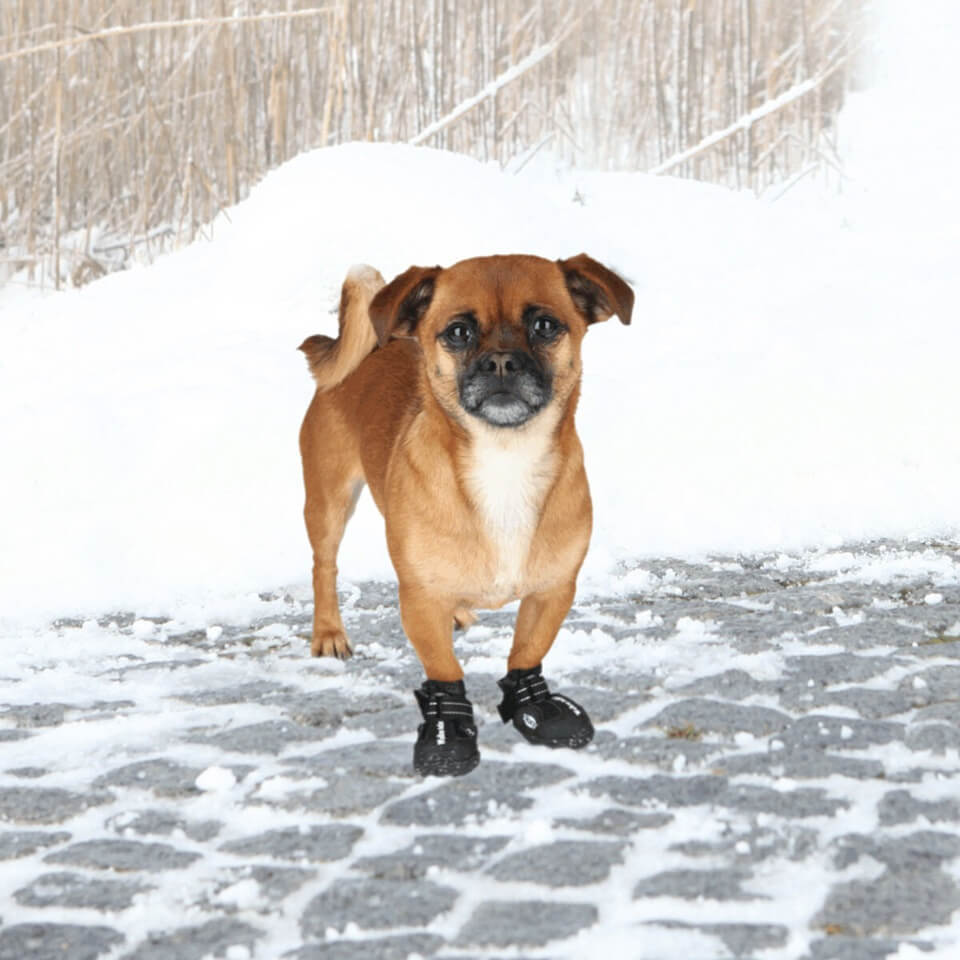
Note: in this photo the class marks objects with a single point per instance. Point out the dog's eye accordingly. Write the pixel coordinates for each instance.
(458, 334)
(545, 327)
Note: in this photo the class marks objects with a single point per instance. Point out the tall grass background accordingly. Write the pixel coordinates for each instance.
(125, 125)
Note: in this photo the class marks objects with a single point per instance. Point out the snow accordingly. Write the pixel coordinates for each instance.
(787, 382)
(216, 780)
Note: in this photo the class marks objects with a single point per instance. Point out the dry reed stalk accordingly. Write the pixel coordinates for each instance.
(156, 116)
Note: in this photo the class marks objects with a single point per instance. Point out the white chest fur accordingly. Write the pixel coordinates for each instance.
(508, 475)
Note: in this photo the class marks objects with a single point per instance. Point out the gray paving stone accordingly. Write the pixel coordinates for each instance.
(933, 646)
(671, 791)
(449, 851)
(565, 863)
(376, 948)
(898, 806)
(321, 843)
(731, 685)
(897, 902)
(21, 843)
(715, 716)
(912, 775)
(720, 884)
(487, 956)
(343, 796)
(803, 802)
(937, 737)
(376, 904)
(9, 736)
(120, 673)
(840, 733)
(45, 805)
(925, 849)
(28, 773)
(660, 751)
(56, 941)
(277, 883)
(162, 823)
(800, 764)
(741, 939)
(334, 708)
(947, 712)
(870, 704)
(256, 691)
(166, 778)
(488, 791)
(495, 736)
(122, 855)
(829, 669)
(525, 923)
(865, 636)
(210, 939)
(76, 890)
(617, 822)
(36, 714)
(755, 845)
(624, 688)
(393, 722)
(270, 737)
(375, 757)
(837, 947)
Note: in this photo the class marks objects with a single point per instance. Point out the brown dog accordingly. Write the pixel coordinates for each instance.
(451, 393)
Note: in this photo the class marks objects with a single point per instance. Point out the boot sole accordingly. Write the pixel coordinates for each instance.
(446, 766)
(574, 743)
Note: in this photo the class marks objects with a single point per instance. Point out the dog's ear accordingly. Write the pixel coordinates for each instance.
(597, 292)
(397, 308)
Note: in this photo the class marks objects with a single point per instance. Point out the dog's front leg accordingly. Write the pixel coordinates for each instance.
(541, 716)
(428, 623)
(447, 739)
(538, 621)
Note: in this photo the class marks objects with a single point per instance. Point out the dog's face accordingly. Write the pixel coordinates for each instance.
(500, 335)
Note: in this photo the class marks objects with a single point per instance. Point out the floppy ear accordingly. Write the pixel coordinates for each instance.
(397, 308)
(597, 292)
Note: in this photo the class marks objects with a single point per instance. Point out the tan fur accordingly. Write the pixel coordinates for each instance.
(476, 515)
(332, 360)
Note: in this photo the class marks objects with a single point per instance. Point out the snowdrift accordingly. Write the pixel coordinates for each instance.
(787, 382)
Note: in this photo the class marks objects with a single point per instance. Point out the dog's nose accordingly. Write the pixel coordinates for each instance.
(502, 364)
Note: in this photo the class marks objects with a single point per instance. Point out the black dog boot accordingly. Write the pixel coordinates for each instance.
(447, 739)
(542, 717)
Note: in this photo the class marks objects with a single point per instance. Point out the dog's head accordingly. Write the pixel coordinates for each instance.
(500, 335)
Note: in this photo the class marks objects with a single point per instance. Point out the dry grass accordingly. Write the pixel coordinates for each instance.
(686, 732)
(125, 125)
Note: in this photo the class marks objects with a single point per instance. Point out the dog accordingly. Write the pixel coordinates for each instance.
(451, 393)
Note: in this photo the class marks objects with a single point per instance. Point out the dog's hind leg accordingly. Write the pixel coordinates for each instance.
(333, 479)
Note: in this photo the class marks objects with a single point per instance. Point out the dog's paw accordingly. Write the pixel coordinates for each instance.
(331, 643)
(463, 618)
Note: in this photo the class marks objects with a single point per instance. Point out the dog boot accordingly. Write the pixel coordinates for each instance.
(447, 739)
(542, 717)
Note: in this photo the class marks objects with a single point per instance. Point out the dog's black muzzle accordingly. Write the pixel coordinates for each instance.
(504, 388)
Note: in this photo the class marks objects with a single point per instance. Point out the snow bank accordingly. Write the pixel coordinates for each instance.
(900, 138)
(784, 384)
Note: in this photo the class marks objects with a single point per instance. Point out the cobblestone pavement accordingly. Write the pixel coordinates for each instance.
(775, 775)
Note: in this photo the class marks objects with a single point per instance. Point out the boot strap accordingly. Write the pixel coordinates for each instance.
(521, 687)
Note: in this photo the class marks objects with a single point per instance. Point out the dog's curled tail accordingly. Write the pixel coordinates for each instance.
(331, 361)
